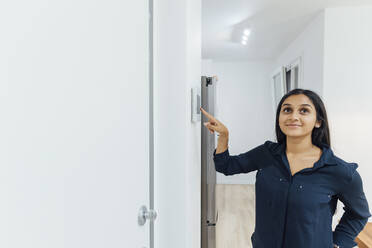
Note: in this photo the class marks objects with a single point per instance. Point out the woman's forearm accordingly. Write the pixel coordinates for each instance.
(222, 144)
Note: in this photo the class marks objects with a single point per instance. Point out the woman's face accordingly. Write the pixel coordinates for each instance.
(298, 111)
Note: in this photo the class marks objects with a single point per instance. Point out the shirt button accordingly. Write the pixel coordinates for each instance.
(300, 186)
(280, 179)
(329, 196)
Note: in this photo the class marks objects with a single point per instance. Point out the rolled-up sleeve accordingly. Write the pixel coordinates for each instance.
(242, 163)
(356, 212)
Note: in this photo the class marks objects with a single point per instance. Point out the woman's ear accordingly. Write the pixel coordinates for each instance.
(318, 124)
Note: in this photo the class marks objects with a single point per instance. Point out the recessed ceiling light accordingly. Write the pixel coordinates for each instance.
(247, 32)
(244, 42)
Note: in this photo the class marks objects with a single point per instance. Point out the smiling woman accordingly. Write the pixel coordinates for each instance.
(299, 179)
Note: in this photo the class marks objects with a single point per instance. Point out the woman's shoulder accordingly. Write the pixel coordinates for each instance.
(272, 146)
(344, 170)
(344, 164)
(270, 143)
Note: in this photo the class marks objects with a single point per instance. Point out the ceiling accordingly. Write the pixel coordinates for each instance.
(273, 24)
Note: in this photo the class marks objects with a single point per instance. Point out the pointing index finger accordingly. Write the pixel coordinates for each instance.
(207, 114)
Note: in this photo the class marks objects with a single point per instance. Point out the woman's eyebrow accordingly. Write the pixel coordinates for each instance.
(300, 105)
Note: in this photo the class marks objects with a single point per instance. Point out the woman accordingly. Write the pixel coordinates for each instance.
(298, 180)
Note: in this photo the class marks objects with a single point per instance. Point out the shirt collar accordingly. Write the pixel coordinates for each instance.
(327, 156)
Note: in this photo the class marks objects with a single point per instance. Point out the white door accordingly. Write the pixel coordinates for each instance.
(74, 121)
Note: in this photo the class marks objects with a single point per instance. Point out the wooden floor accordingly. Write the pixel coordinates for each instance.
(236, 215)
(364, 238)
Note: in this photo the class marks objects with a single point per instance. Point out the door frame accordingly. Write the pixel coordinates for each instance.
(151, 117)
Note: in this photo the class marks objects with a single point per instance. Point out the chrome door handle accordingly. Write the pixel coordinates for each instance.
(145, 214)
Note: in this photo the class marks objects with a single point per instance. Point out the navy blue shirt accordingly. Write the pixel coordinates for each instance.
(296, 211)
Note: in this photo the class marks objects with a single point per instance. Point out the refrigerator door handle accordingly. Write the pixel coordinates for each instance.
(213, 224)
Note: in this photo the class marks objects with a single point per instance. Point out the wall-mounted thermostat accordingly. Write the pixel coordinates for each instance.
(195, 104)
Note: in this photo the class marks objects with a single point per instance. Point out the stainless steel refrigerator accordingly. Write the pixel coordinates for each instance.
(209, 214)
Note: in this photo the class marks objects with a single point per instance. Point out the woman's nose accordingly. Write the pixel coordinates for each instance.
(294, 116)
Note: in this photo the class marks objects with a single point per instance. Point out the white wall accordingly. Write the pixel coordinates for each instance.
(177, 61)
(244, 105)
(347, 86)
(193, 130)
(308, 45)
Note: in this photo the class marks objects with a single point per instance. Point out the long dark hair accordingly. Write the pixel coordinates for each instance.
(319, 136)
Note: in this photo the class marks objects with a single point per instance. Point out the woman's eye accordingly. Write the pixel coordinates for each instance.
(305, 110)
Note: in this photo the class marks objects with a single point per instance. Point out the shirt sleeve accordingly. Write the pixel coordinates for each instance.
(244, 162)
(356, 212)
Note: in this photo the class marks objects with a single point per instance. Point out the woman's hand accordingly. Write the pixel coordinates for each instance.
(214, 125)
